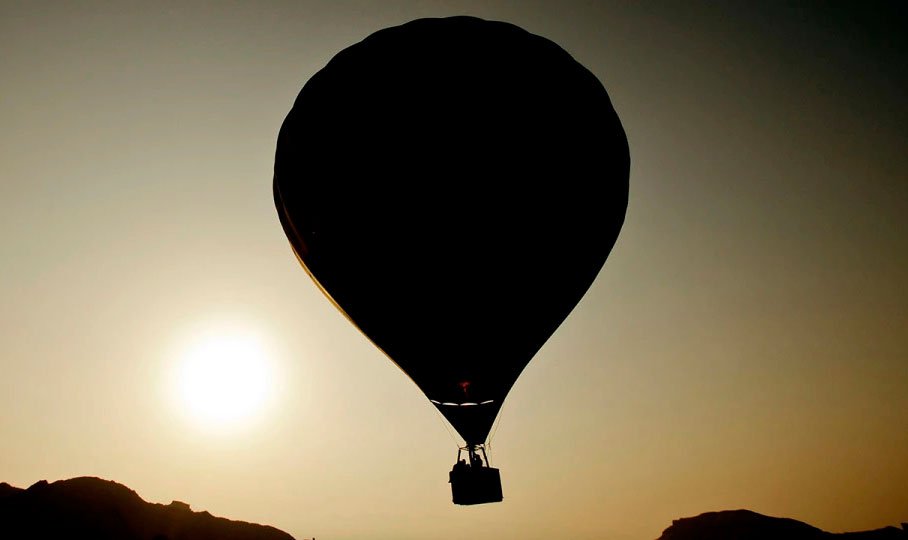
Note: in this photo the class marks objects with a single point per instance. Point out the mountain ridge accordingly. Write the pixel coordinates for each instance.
(91, 507)
(749, 525)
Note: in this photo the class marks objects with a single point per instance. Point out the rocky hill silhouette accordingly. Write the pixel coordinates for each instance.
(89, 507)
(747, 525)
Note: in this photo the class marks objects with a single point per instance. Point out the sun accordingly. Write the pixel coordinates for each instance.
(224, 379)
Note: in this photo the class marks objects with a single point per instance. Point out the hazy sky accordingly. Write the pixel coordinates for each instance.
(746, 344)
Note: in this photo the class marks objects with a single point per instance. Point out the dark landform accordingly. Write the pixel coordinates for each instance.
(747, 525)
(88, 507)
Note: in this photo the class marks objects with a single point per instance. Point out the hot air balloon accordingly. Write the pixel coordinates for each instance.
(454, 186)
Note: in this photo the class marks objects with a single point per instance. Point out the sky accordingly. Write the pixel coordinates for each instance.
(745, 345)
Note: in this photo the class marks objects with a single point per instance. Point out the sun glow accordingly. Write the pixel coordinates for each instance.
(224, 379)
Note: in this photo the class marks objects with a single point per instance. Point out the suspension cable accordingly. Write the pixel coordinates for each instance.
(497, 422)
(444, 422)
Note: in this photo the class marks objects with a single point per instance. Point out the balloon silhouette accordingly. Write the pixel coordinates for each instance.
(454, 186)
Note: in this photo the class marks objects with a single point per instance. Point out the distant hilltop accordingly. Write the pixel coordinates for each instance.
(89, 507)
(747, 525)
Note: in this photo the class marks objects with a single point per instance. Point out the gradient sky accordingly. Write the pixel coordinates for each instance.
(745, 346)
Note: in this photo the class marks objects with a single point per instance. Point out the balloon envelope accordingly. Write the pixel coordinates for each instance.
(454, 186)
